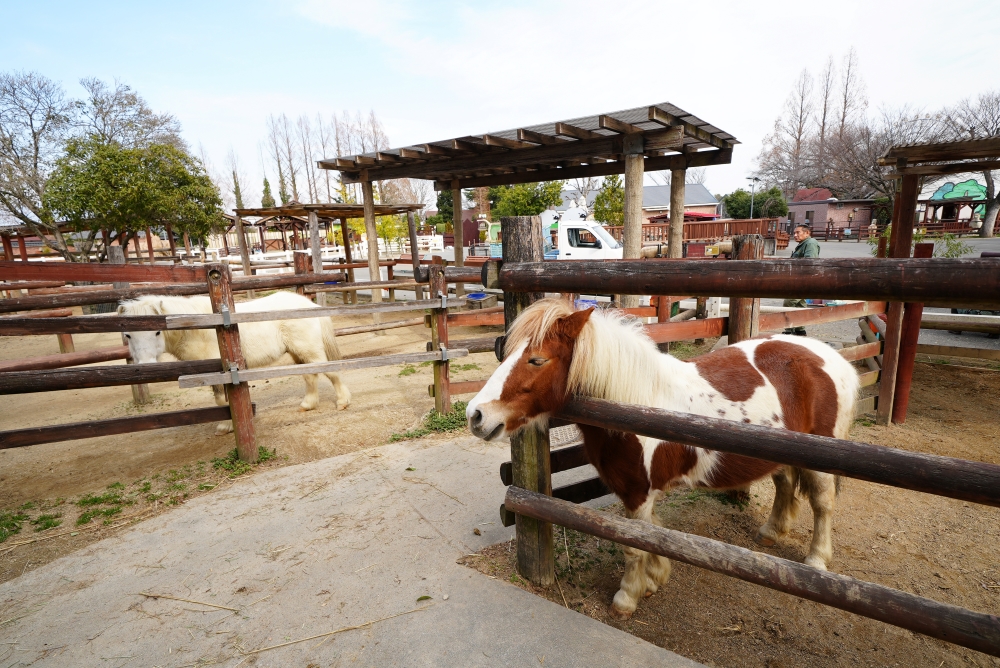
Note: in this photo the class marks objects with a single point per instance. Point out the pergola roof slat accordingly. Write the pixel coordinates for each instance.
(326, 210)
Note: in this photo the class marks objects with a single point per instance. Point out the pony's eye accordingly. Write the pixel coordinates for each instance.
(128, 336)
(537, 361)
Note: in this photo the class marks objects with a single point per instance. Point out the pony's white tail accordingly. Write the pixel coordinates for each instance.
(329, 339)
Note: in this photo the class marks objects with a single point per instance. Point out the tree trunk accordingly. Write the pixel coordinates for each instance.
(992, 206)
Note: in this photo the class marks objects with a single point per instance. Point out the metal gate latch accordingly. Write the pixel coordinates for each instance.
(444, 299)
(444, 352)
(226, 320)
(235, 372)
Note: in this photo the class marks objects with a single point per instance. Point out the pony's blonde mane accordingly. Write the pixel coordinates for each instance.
(613, 358)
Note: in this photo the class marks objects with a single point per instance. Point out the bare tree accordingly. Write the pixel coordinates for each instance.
(325, 135)
(585, 186)
(274, 148)
(288, 149)
(853, 100)
(825, 92)
(979, 118)
(119, 114)
(783, 159)
(698, 175)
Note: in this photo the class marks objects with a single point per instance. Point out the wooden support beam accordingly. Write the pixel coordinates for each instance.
(610, 123)
(909, 335)
(567, 130)
(632, 217)
(899, 247)
(241, 238)
(658, 115)
(744, 312)
(675, 247)
(493, 140)
(529, 447)
(439, 338)
(939, 620)
(539, 138)
(457, 224)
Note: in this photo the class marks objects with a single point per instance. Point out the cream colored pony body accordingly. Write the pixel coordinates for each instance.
(306, 340)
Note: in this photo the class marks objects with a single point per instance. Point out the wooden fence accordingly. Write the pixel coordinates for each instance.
(876, 282)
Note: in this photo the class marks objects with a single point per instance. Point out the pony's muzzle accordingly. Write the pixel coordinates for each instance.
(483, 427)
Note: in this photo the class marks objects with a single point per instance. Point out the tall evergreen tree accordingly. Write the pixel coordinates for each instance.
(267, 199)
(283, 189)
(237, 193)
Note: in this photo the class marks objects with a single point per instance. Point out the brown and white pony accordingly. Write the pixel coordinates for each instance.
(779, 381)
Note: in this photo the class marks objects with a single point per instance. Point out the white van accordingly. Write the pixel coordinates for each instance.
(570, 236)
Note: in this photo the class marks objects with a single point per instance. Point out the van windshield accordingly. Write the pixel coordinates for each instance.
(606, 238)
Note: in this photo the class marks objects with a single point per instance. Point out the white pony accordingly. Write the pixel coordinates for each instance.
(305, 340)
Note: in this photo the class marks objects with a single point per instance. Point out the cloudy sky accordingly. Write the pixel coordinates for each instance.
(434, 70)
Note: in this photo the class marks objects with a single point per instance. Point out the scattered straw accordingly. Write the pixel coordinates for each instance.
(186, 600)
(561, 592)
(330, 633)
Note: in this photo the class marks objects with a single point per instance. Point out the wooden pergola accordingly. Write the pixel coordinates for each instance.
(630, 142)
(342, 212)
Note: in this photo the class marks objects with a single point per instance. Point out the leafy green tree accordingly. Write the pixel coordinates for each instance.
(283, 189)
(768, 203)
(98, 185)
(237, 191)
(609, 205)
(525, 199)
(267, 199)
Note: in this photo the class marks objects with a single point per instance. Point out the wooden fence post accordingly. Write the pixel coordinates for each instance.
(241, 238)
(220, 292)
(908, 346)
(439, 337)
(300, 265)
(899, 246)
(529, 448)
(701, 312)
(744, 312)
(317, 253)
(140, 392)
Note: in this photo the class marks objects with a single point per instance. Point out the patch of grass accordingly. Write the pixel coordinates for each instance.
(865, 422)
(116, 486)
(109, 499)
(464, 367)
(86, 517)
(231, 462)
(436, 422)
(44, 522)
(145, 487)
(423, 364)
(10, 524)
(177, 487)
(407, 370)
(204, 487)
(28, 506)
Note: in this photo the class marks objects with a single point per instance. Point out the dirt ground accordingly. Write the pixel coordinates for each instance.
(175, 463)
(935, 547)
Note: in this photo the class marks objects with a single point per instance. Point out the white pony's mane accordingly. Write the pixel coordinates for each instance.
(164, 305)
(613, 359)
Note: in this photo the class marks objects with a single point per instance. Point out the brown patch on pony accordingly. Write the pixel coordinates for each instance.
(619, 461)
(729, 371)
(670, 462)
(807, 394)
(733, 471)
(531, 390)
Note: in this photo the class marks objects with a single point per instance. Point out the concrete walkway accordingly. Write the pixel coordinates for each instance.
(300, 551)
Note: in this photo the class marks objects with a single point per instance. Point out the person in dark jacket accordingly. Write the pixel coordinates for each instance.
(807, 247)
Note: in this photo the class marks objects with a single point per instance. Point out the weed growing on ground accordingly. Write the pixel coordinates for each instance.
(464, 367)
(43, 522)
(407, 370)
(435, 422)
(10, 524)
(234, 467)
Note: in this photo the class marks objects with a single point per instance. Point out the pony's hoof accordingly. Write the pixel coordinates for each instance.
(622, 606)
(343, 406)
(816, 562)
(619, 614)
(765, 541)
(306, 407)
(649, 592)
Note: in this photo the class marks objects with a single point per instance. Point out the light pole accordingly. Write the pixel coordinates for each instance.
(753, 187)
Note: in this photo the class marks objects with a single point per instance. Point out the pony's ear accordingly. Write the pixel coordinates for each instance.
(158, 307)
(571, 325)
(121, 309)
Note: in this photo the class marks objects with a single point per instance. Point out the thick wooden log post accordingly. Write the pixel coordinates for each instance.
(529, 448)
(170, 241)
(241, 237)
(188, 256)
(220, 292)
(411, 224)
(149, 245)
(373, 271)
(908, 346)
(140, 392)
(22, 247)
(677, 183)
(701, 312)
(317, 254)
(8, 248)
(300, 265)
(439, 337)
(632, 213)
(456, 200)
(135, 247)
(900, 240)
(744, 312)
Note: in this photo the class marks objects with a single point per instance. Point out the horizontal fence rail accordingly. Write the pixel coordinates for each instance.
(50, 380)
(266, 373)
(978, 482)
(974, 630)
(944, 282)
(83, 298)
(19, 438)
(100, 273)
(66, 359)
(86, 324)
